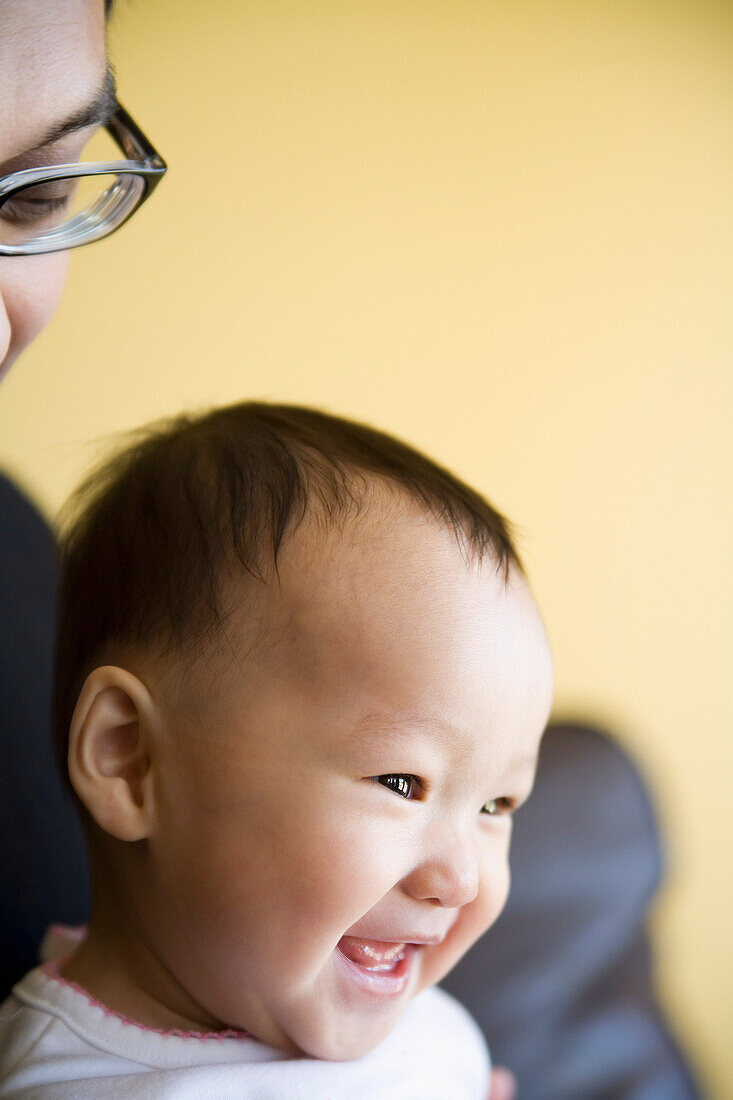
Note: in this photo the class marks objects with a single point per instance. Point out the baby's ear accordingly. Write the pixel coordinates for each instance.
(109, 752)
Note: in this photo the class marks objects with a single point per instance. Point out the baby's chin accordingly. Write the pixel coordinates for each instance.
(359, 1001)
(345, 1042)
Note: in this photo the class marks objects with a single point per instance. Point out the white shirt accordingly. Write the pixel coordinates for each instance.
(56, 1042)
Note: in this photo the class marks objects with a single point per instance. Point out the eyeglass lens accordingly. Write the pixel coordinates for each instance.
(65, 212)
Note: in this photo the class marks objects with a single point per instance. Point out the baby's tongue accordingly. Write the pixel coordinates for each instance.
(372, 954)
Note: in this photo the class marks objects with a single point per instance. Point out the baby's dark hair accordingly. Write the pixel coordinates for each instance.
(146, 538)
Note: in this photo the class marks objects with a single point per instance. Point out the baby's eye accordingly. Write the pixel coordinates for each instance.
(405, 785)
(498, 807)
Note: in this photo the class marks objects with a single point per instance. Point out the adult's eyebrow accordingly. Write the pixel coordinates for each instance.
(94, 113)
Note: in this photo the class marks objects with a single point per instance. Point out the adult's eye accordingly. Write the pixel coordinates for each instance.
(407, 786)
(26, 209)
(499, 807)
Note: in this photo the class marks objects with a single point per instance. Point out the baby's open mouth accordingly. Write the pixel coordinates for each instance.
(373, 955)
(376, 966)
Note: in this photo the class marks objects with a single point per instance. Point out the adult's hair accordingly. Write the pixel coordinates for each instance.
(146, 538)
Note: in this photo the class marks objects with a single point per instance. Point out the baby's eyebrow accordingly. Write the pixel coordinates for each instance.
(390, 729)
(373, 725)
(408, 724)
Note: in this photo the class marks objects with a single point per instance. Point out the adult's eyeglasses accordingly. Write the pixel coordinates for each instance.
(68, 205)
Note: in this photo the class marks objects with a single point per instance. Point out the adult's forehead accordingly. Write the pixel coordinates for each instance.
(52, 63)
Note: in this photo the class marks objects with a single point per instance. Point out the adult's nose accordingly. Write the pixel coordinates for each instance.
(448, 874)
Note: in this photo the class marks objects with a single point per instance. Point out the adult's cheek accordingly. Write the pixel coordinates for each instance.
(30, 290)
(4, 335)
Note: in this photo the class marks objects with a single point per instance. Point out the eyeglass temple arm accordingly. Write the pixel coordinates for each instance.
(131, 139)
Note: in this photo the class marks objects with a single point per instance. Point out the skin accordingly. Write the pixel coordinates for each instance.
(260, 834)
(52, 73)
(54, 81)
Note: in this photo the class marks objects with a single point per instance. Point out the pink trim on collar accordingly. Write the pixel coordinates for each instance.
(51, 970)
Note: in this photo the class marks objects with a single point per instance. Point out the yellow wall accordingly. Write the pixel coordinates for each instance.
(501, 230)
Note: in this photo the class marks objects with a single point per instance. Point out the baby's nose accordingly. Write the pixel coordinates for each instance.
(448, 876)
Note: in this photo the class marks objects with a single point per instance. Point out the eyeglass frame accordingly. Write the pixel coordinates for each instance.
(144, 161)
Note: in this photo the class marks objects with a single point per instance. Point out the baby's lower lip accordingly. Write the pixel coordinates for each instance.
(376, 966)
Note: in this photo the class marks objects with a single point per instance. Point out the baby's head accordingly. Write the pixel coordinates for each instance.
(305, 683)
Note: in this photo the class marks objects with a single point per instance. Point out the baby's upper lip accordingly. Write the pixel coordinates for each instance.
(418, 938)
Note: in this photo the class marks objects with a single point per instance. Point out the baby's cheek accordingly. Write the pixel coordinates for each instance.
(472, 921)
(493, 896)
(479, 916)
(354, 867)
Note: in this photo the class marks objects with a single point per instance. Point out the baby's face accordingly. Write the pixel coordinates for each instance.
(333, 813)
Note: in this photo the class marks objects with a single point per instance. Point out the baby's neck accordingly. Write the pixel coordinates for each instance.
(126, 977)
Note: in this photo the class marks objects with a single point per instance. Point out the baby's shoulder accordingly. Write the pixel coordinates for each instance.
(444, 1045)
(25, 1032)
(436, 1007)
(53, 1039)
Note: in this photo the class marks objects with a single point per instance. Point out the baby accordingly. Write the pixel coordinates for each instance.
(301, 687)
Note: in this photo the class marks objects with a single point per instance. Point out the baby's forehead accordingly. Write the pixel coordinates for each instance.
(338, 568)
(388, 620)
(342, 593)
(375, 558)
(383, 616)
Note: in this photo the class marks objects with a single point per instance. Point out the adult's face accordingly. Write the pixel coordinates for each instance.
(53, 94)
